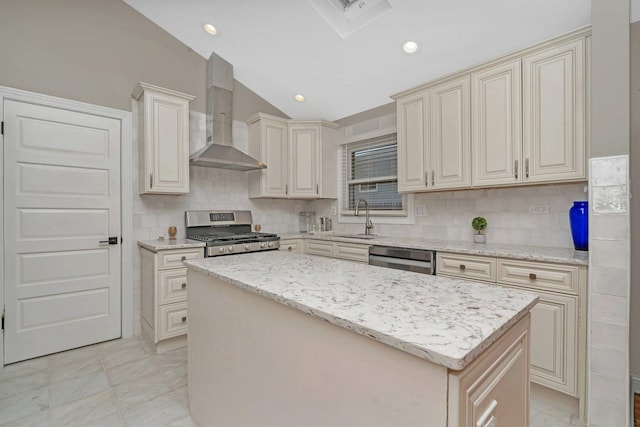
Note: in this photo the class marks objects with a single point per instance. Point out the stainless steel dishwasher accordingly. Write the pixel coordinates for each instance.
(418, 260)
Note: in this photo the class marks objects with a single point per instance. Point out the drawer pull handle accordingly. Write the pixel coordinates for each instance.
(533, 276)
(184, 257)
(184, 319)
(184, 285)
(462, 266)
(289, 248)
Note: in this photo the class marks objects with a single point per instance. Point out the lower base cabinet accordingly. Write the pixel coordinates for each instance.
(164, 296)
(558, 332)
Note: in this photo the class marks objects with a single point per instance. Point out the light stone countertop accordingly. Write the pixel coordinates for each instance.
(166, 244)
(445, 321)
(519, 252)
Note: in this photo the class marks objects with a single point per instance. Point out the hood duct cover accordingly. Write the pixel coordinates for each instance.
(219, 151)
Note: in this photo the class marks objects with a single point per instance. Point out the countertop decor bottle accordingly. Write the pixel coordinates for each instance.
(579, 219)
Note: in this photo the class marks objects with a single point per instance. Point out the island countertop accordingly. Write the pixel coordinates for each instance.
(445, 321)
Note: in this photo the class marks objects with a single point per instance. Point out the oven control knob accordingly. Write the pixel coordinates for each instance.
(247, 247)
(270, 244)
(263, 245)
(221, 250)
(230, 248)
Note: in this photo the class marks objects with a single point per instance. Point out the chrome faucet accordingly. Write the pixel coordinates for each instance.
(368, 225)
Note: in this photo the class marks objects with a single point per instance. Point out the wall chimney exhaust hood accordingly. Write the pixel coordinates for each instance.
(219, 151)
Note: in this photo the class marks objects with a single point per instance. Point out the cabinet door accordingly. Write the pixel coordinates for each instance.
(274, 152)
(304, 161)
(319, 247)
(496, 124)
(413, 134)
(554, 326)
(554, 114)
(165, 132)
(450, 141)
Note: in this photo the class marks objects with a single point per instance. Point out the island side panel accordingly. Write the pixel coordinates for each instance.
(253, 361)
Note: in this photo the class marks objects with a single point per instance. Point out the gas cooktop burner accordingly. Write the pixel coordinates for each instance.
(227, 232)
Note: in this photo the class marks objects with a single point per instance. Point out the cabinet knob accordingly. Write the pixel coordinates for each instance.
(462, 266)
(289, 248)
(533, 276)
(184, 285)
(184, 258)
(184, 319)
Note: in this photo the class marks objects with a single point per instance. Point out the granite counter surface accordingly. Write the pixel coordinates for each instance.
(163, 245)
(520, 252)
(445, 321)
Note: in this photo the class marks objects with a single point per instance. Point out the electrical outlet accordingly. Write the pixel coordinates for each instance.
(421, 210)
(539, 209)
(334, 211)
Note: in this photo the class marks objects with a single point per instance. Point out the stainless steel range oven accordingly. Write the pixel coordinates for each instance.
(227, 232)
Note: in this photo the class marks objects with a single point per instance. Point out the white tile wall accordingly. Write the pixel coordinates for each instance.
(609, 258)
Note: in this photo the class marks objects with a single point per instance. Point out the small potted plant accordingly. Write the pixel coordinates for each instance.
(479, 224)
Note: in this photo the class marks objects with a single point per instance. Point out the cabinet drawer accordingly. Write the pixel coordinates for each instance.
(352, 252)
(319, 247)
(466, 266)
(173, 258)
(294, 245)
(535, 275)
(172, 286)
(172, 319)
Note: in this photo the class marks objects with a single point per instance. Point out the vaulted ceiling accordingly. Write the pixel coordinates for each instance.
(280, 48)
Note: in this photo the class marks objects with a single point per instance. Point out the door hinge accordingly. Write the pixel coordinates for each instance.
(2, 128)
(3, 318)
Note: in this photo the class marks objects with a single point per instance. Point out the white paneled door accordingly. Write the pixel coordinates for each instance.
(61, 203)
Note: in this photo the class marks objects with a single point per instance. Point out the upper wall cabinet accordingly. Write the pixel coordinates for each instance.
(164, 139)
(554, 113)
(521, 119)
(496, 124)
(434, 129)
(301, 158)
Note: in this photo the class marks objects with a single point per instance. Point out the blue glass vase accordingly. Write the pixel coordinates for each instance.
(579, 219)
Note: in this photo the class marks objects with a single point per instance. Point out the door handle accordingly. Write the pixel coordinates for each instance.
(516, 168)
(111, 241)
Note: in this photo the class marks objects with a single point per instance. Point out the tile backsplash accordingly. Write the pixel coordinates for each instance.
(508, 212)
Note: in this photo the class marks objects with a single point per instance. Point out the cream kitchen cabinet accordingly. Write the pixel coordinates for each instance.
(164, 140)
(164, 296)
(292, 245)
(496, 124)
(433, 138)
(553, 123)
(521, 119)
(356, 252)
(300, 156)
(558, 331)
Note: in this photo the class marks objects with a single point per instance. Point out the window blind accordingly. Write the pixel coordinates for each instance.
(370, 172)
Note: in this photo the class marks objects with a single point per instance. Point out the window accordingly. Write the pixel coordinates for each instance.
(371, 173)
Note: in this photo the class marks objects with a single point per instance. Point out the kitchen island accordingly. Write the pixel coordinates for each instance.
(279, 339)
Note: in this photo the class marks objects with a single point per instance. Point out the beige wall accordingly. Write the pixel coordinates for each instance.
(96, 51)
(635, 201)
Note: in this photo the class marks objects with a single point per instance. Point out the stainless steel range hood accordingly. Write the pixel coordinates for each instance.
(219, 151)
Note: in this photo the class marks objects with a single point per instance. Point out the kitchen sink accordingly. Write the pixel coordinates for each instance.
(357, 236)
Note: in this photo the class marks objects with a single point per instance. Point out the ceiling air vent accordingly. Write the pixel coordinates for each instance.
(348, 16)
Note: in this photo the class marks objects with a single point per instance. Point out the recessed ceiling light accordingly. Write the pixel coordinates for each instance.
(210, 29)
(299, 98)
(410, 47)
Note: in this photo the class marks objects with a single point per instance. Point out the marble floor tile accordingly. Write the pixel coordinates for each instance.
(118, 344)
(63, 369)
(39, 419)
(66, 357)
(172, 358)
(24, 368)
(161, 411)
(23, 383)
(85, 412)
(182, 395)
(124, 355)
(132, 371)
(20, 405)
(76, 388)
(176, 377)
(133, 393)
